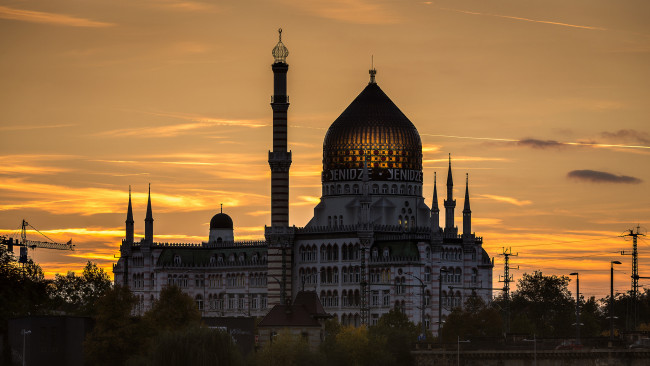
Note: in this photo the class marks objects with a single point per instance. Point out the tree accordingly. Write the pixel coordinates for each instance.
(78, 294)
(398, 333)
(174, 310)
(475, 319)
(198, 346)
(117, 335)
(23, 291)
(545, 303)
(287, 349)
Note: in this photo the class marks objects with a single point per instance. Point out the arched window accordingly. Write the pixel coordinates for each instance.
(199, 301)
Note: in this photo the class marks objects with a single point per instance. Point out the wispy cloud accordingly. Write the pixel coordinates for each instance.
(525, 19)
(506, 199)
(60, 199)
(49, 18)
(601, 177)
(539, 143)
(33, 127)
(31, 164)
(628, 135)
(190, 6)
(307, 201)
(350, 11)
(195, 122)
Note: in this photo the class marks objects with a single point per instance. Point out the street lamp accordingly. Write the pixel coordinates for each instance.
(577, 306)
(458, 352)
(611, 300)
(442, 270)
(282, 294)
(25, 333)
(534, 340)
(422, 286)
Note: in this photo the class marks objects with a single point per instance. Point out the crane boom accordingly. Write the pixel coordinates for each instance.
(33, 244)
(48, 245)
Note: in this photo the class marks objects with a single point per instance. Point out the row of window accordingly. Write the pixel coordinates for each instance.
(221, 302)
(234, 280)
(232, 258)
(329, 253)
(404, 189)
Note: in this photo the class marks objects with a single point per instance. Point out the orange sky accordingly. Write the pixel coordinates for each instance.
(543, 103)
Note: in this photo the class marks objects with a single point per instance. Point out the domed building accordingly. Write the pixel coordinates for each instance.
(372, 244)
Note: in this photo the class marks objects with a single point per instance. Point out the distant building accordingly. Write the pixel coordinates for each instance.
(304, 317)
(371, 241)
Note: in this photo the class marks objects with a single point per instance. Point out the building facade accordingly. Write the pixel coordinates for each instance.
(373, 243)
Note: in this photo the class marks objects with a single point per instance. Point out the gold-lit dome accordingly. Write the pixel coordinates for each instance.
(372, 128)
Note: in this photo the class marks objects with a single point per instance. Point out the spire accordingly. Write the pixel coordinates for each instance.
(435, 211)
(149, 213)
(372, 70)
(148, 221)
(129, 212)
(450, 204)
(467, 213)
(129, 229)
(466, 193)
(450, 180)
(222, 208)
(434, 202)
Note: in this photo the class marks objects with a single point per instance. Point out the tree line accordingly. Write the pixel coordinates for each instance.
(171, 333)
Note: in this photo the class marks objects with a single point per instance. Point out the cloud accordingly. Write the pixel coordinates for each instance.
(49, 18)
(350, 11)
(196, 122)
(525, 19)
(628, 136)
(195, 6)
(33, 127)
(85, 201)
(537, 143)
(510, 200)
(601, 177)
(540, 144)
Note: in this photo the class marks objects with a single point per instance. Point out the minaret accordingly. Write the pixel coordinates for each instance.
(129, 221)
(148, 221)
(467, 213)
(435, 211)
(450, 202)
(279, 235)
(280, 158)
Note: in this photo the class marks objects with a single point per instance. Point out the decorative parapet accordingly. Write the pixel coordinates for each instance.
(394, 259)
(236, 264)
(213, 244)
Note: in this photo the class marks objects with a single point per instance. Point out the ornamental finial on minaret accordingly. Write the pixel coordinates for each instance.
(280, 52)
(372, 70)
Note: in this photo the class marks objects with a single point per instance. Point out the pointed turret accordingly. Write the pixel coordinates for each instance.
(467, 212)
(148, 221)
(450, 202)
(129, 221)
(435, 211)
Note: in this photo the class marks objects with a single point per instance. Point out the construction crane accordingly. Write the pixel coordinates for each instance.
(25, 243)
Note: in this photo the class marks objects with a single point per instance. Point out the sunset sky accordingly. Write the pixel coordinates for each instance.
(544, 103)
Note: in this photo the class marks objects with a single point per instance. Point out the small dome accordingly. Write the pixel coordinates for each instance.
(221, 221)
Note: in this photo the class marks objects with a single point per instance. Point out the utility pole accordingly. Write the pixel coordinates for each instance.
(635, 272)
(506, 279)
